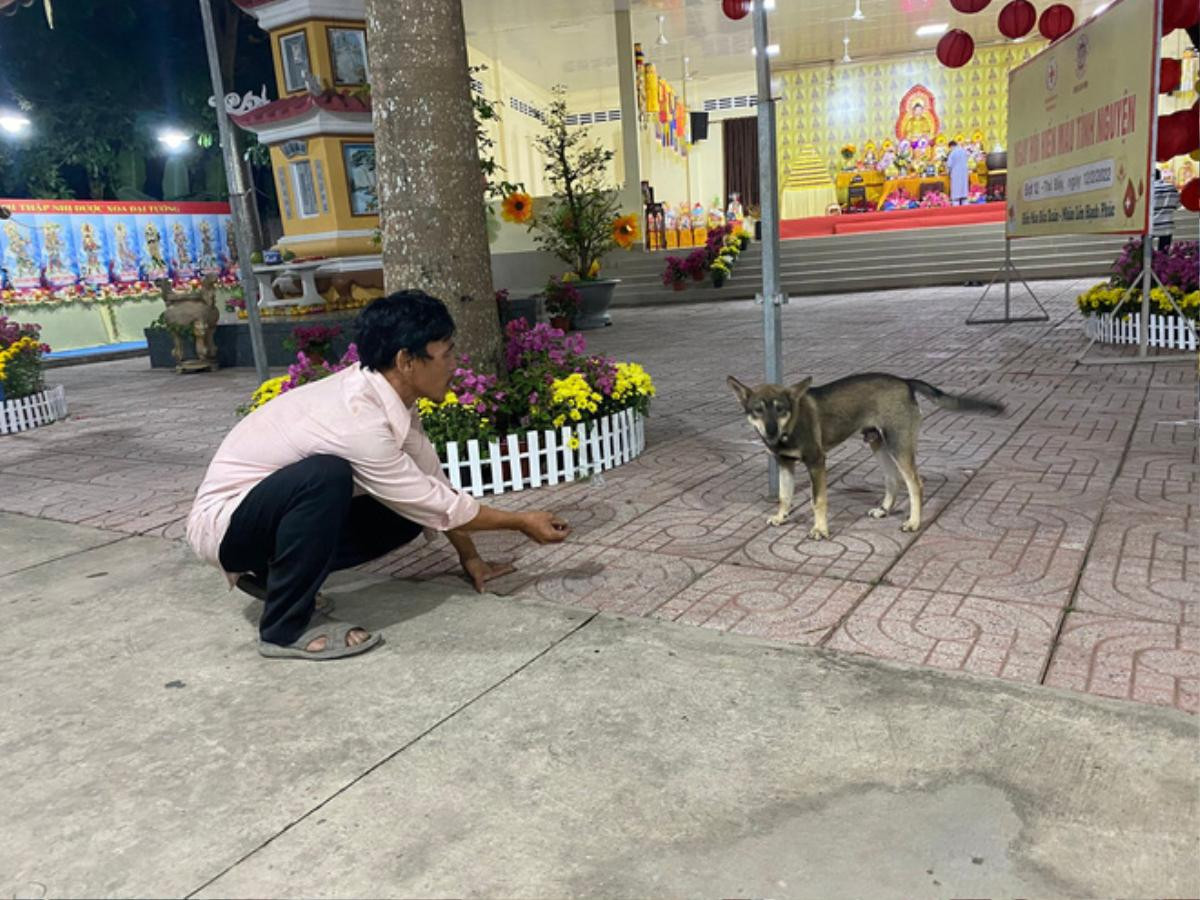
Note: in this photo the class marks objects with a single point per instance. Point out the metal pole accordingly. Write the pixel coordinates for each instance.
(1147, 250)
(240, 197)
(1007, 275)
(768, 189)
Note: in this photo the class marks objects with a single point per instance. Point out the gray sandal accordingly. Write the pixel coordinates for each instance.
(335, 634)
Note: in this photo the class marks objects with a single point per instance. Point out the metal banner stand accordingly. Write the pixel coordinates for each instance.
(1147, 276)
(1006, 270)
(771, 298)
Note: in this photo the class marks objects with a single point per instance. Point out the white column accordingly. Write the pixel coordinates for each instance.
(631, 190)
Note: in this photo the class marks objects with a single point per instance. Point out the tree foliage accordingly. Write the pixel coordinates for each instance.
(99, 85)
(576, 225)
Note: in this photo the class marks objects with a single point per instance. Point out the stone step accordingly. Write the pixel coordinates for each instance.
(882, 260)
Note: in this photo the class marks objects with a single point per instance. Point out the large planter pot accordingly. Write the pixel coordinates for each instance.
(595, 297)
(1165, 331)
(37, 409)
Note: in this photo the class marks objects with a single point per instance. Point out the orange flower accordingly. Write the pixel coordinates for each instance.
(517, 207)
(625, 231)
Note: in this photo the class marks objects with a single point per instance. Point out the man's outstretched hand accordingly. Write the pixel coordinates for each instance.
(480, 572)
(544, 527)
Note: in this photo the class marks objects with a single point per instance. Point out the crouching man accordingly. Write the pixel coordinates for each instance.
(338, 472)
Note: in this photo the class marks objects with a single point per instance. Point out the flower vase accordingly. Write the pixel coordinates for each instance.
(563, 323)
(698, 276)
(718, 282)
(678, 285)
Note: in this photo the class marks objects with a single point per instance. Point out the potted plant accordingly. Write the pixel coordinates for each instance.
(562, 302)
(696, 264)
(720, 271)
(675, 273)
(581, 222)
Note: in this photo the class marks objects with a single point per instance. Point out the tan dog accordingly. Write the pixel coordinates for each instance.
(804, 423)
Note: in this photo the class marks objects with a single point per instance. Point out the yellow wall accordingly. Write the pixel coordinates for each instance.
(327, 151)
(319, 60)
(516, 132)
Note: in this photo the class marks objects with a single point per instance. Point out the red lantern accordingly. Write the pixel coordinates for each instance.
(1056, 21)
(955, 48)
(970, 6)
(1179, 14)
(1189, 197)
(1170, 73)
(735, 9)
(1172, 136)
(1016, 19)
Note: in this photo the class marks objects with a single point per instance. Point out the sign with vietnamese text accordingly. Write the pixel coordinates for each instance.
(1079, 128)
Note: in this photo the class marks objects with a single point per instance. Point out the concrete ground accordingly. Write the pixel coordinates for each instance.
(578, 736)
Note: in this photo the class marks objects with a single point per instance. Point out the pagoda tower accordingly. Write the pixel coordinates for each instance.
(319, 131)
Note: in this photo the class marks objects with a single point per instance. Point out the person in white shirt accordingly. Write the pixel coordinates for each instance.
(338, 472)
(958, 164)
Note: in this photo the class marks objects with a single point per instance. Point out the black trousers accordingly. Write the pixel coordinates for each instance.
(295, 527)
(1164, 242)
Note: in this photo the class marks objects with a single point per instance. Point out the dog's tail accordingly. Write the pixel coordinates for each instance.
(959, 402)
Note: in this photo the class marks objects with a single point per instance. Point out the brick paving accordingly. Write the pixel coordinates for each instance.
(1061, 542)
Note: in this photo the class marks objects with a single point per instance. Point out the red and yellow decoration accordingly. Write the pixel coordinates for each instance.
(517, 208)
(918, 116)
(625, 231)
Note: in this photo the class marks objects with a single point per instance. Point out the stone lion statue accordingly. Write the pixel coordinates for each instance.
(194, 312)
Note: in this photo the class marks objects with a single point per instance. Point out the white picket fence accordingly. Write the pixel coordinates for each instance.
(36, 409)
(1165, 331)
(545, 457)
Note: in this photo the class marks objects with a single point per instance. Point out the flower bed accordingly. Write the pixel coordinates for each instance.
(1165, 331)
(547, 457)
(1176, 270)
(24, 403)
(33, 410)
(556, 414)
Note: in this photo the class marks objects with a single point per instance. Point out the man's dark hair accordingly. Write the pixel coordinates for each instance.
(954, 143)
(405, 320)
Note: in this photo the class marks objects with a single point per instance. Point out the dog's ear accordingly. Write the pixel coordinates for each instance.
(743, 392)
(800, 388)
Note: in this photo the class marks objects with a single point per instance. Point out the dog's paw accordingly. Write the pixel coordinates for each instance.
(818, 533)
(911, 526)
(877, 513)
(778, 519)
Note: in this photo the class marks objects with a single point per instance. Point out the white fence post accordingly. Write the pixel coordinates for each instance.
(602, 444)
(476, 470)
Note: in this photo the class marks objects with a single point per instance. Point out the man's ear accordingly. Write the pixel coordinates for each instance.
(800, 388)
(743, 392)
(403, 358)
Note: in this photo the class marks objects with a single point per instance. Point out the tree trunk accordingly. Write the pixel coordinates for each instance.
(427, 166)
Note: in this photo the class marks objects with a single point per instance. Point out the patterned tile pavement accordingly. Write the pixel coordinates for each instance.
(1060, 542)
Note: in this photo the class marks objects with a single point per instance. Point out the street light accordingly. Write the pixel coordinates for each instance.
(14, 123)
(173, 139)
